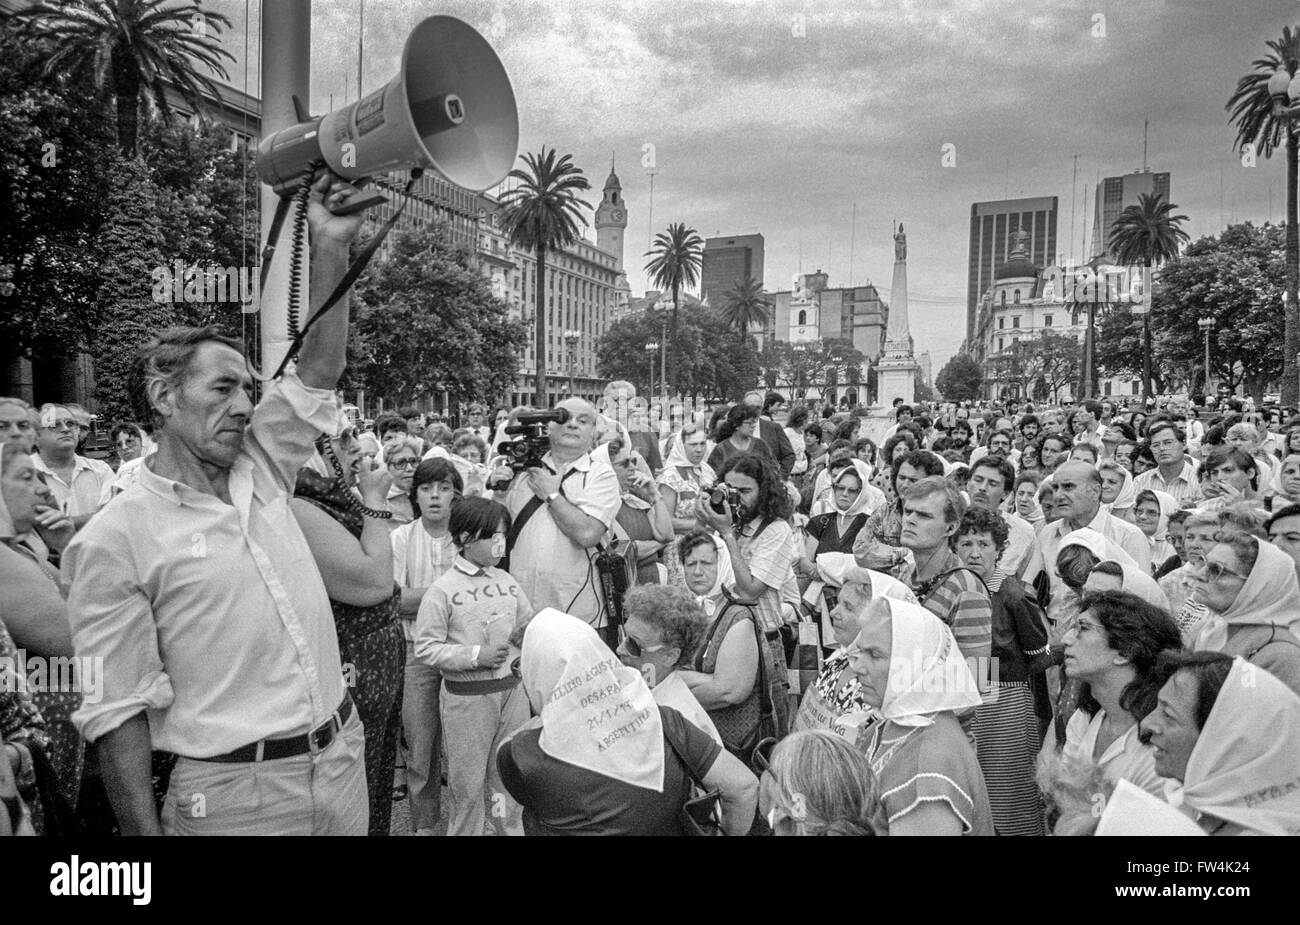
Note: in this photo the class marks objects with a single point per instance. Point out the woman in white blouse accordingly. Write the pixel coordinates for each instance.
(1113, 649)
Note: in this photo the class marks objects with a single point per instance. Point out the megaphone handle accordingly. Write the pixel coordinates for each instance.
(361, 204)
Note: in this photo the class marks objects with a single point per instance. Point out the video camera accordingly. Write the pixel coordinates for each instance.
(527, 452)
(723, 494)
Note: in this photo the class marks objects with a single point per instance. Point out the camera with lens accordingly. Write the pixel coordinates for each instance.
(723, 494)
(531, 444)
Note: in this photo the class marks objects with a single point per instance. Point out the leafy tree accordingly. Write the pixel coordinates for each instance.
(425, 321)
(712, 367)
(1147, 234)
(812, 363)
(542, 215)
(675, 261)
(1262, 128)
(141, 46)
(743, 306)
(1236, 277)
(960, 379)
(53, 195)
(127, 251)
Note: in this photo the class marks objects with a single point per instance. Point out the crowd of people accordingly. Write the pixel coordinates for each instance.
(749, 621)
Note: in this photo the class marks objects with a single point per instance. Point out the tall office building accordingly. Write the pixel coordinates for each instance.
(727, 260)
(1114, 195)
(992, 225)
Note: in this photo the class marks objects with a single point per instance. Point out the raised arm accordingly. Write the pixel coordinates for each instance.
(324, 349)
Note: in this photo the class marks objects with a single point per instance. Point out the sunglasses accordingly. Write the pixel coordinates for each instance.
(403, 464)
(636, 650)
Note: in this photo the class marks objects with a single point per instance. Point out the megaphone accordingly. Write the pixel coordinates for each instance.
(450, 108)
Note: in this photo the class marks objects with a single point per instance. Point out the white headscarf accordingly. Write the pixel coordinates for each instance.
(726, 576)
(1139, 583)
(1245, 766)
(840, 569)
(1127, 496)
(1269, 597)
(1102, 549)
(703, 473)
(927, 673)
(596, 713)
(862, 504)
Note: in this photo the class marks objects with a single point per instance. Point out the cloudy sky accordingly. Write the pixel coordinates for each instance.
(778, 116)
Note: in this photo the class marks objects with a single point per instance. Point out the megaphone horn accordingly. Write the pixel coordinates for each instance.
(450, 108)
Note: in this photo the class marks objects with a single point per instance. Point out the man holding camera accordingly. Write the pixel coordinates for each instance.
(198, 593)
(562, 510)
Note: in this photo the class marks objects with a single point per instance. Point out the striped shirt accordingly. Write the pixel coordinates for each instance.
(962, 602)
(1184, 487)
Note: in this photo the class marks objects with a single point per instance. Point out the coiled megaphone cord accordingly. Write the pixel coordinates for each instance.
(297, 246)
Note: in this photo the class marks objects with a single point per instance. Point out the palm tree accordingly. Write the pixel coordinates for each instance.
(542, 214)
(676, 258)
(1263, 125)
(744, 306)
(1148, 234)
(139, 47)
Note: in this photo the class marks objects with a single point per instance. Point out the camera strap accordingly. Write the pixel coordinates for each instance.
(525, 514)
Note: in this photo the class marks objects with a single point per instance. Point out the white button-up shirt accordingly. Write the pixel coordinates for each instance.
(90, 478)
(211, 617)
(1128, 537)
(552, 570)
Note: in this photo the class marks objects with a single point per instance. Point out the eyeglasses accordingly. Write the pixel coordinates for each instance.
(636, 650)
(126, 444)
(403, 464)
(1216, 570)
(61, 425)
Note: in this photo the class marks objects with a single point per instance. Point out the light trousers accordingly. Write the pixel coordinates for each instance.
(321, 794)
(474, 725)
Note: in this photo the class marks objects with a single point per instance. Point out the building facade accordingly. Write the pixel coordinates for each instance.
(1019, 305)
(726, 260)
(812, 310)
(1114, 195)
(993, 226)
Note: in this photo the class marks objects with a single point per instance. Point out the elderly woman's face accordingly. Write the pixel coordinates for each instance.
(978, 552)
(695, 444)
(701, 568)
(1146, 514)
(1200, 540)
(1111, 483)
(1220, 579)
(853, 601)
(24, 492)
(643, 648)
(869, 657)
(847, 489)
(401, 465)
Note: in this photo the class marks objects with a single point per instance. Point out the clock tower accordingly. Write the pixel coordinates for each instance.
(611, 218)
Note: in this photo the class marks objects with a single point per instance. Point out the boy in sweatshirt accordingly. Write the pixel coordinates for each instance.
(469, 626)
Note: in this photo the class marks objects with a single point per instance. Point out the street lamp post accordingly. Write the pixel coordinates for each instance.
(571, 340)
(650, 349)
(1207, 326)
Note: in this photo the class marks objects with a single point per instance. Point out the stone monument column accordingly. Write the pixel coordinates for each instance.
(896, 373)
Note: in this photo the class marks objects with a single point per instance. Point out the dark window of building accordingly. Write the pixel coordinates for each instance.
(1017, 299)
(1015, 322)
(1047, 321)
(803, 317)
(1002, 323)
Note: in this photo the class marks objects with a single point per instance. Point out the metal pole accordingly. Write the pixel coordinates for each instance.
(1206, 327)
(663, 364)
(285, 73)
(651, 354)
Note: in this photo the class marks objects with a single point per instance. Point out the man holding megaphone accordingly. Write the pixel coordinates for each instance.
(197, 591)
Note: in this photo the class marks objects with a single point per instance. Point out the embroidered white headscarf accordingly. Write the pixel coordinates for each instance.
(1245, 766)
(596, 713)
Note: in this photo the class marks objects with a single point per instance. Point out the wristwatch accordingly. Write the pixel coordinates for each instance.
(552, 496)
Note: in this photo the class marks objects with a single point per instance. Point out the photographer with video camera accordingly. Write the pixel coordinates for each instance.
(749, 510)
(563, 499)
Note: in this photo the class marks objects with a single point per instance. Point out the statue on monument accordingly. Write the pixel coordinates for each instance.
(900, 244)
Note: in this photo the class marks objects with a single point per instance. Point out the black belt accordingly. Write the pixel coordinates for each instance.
(312, 742)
